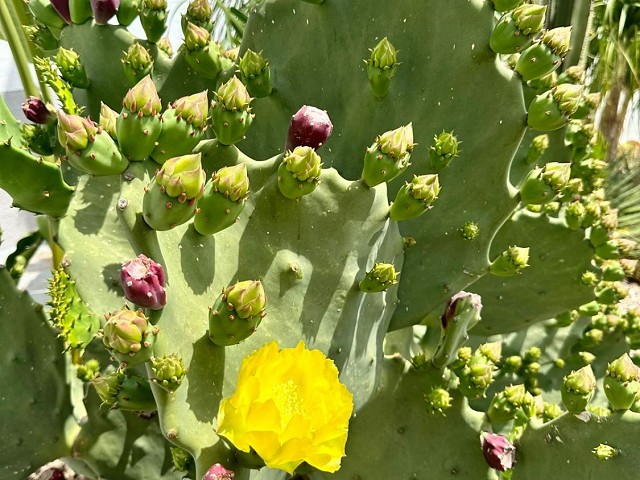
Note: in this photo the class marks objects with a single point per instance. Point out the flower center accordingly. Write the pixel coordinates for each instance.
(286, 396)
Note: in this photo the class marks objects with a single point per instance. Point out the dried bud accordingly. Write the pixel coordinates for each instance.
(142, 280)
(499, 452)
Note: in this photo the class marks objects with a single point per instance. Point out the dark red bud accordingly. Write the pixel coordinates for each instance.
(36, 111)
(499, 452)
(143, 283)
(103, 10)
(309, 127)
(62, 7)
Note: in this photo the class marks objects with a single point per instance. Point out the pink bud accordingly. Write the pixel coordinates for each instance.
(309, 127)
(450, 310)
(218, 472)
(499, 452)
(143, 283)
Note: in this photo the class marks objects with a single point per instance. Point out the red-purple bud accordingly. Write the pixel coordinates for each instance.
(309, 127)
(36, 111)
(52, 474)
(499, 452)
(103, 10)
(218, 472)
(143, 283)
(62, 7)
(452, 307)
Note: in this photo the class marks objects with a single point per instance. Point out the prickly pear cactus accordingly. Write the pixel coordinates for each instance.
(404, 214)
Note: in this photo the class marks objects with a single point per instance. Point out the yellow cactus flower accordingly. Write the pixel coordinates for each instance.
(290, 407)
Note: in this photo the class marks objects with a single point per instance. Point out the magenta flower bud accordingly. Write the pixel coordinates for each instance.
(103, 10)
(52, 474)
(474, 302)
(499, 452)
(143, 283)
(309, 127)
(62, 7)
(218, 472)
(36, 111)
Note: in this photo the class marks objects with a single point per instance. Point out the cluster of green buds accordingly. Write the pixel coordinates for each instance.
(388, 156)
(255, 73)
(237, 312)
(379, 278)
(542, 185)
(443, 150)
(508, 403)
(551, 110)
(129, 336)
(168, 372)
(381, 67)
(223, 200)
(171, 198)
(578, 389)
(516, 29)
(137, 63)
(299, 172)
(231, 112)
(477, 370)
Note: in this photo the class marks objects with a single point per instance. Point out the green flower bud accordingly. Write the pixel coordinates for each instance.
(246, 298)
(537, 147)
(533, 354)
(573, 74)
(529, 18)
(510, 262)
(237, 313)
(470, 230)
(195, 37)
(464, 354)
(75, 132)
(88, 371)
(299, 172)
(493, 351)
(379, 278)
(622, 383)
(108, 385)
(165, 46)
(444, 149)
(381, 67)
(153, 17)
(559, 363)
(137, 63)
(577, 389)
(476, 377)
(389, 156)
(129, 336)
(605, 452)
(143, 98)
(232, 182)
(574, 214)
(551, 411)
(233, 95)
(128, 11)
(438, 401)
(556, 174)
(255, 73)
(568, 97)
(592, 337)
(586, 358)
(505, 404)
(193, 109)
(168, 372)
(558, 40)
(41, 36)
(512, 364)
(108, 118)
(541, 185)
(551, 110)
(593, 99)
(71, 69)
(589, 278)
(182, 177)
(198, 12)
(415, 198)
